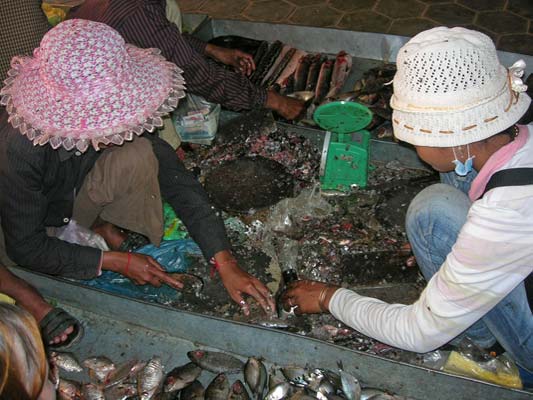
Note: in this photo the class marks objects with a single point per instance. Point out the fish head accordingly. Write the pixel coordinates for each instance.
(197, 354)
(237, 387)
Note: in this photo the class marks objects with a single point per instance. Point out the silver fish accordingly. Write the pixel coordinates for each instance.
(238, 391)
(150, 378)
(280, 391)
(66, 361)
(350, 385)
(215, 362)
(181, 376)
(90, 391)
(296, 375)
(99, 368)
(195, 391)
(255, 376)
(275, 377)
(121, 391)
(218, 389)
(123, 372)
(68, 390)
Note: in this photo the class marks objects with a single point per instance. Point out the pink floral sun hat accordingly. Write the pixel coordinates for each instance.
(85, 86)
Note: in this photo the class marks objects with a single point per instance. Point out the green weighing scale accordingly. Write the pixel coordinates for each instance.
(345, 155)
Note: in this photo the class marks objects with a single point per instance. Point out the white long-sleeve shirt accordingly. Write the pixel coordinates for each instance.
(492, 255)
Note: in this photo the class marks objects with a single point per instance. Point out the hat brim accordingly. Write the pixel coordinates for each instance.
(111, 113)
(448, 129)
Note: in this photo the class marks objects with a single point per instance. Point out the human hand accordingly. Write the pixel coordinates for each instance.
(288, 107)
(238, 283)
(241, 61)
(140, 268)
(308, 297)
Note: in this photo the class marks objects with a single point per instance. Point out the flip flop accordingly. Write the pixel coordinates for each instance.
(55, 323)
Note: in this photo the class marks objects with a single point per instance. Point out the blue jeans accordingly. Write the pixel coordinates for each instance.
(433, 221)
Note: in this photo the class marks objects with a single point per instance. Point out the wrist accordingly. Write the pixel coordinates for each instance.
(223, 261)
(325, 297)
(115, 261)
(211, 50)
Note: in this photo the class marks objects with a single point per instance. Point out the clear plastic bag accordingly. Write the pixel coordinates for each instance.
(196, 120)
(78, 234)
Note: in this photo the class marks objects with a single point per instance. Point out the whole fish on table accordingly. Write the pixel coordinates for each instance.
(218, 389)
(314, 70)
(215, 361)
(238, 392)
(90, 391)
(68, 390)
(98, 368)
(123, 372)
(266, 62)
(195, 391)
(181, 377)
(300, 75)
(255, 376)
(150, 379)
(122, 391)
(280, 391)
(350, 385)
(324, 78)
(66, 361)
(290, 68)
(341, 70)
(280, 64)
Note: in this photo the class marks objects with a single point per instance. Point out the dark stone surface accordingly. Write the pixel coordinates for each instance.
(316, 16)
(483, 5)
(521, 7)
(522, 44)
(352, 5)
(365, 21)
(502, 22)
(400, 8)
(269, 11)
(303, 3)
(411, 26)
(450, 14)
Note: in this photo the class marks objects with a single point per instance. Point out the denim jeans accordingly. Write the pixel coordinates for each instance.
(433, 221)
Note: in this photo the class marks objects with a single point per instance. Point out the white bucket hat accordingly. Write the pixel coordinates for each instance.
(451, 90)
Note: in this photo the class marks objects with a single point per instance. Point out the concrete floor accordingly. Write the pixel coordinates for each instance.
(508, 22)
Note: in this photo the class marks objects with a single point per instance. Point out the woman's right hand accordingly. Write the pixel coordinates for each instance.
(140, 268)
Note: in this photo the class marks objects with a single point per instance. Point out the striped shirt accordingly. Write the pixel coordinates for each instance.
(144, 24)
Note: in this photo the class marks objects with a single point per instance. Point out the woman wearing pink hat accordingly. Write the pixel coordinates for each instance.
(72, 147)
(472, 235)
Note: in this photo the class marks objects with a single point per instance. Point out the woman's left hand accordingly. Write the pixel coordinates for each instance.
(304, 297)
(241, 61)
(238, 283)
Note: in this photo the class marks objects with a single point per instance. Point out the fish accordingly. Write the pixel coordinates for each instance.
(368, 393)
(284, 57)
(280, 391)
(300, 75)
(195, 391)
(66, 361)
(275, 377)
(150, 378)
(324, 78)
(255, 376)
(275, 323)
(341, 70)
(215, 362)
(181, 377)
(296, 375)
(350, 385)
(218, 389)
(266, 62)
(121, 391)
(123, 372)
(238, 391)
(314, 70)
(68, 390)
(90, 391)
(290, 68)
(261, 51)
(191, 283)
(98, 368)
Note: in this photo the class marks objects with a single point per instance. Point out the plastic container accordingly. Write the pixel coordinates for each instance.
(196, 120)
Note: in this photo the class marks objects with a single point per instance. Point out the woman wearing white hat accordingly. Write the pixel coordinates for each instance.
(473, 241)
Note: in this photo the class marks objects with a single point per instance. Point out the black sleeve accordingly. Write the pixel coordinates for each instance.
(189, 200)
(23, 208)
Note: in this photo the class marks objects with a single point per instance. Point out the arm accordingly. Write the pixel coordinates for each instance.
(148, 27)
(481, 270)
(23, 210)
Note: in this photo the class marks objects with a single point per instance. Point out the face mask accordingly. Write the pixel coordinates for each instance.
(462, 169)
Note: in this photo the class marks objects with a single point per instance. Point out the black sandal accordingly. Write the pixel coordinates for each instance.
(55, 323)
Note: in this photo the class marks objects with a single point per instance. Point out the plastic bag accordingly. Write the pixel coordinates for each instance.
(174, 228)
(172, 254)
(196, 120)
(78, 234)
(472, 361)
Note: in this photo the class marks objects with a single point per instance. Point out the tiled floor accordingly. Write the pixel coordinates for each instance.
(508, 22)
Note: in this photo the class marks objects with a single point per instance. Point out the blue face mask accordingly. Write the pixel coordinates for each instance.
(463, 169)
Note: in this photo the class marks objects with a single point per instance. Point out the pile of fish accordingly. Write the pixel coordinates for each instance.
(147, 380)
(289, 70)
